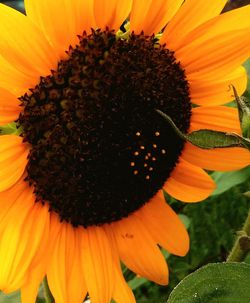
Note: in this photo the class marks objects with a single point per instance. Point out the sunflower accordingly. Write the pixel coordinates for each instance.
(81, 187)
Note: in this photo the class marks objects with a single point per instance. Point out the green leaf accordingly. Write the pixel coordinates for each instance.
(11, 298)
(226, 180)
(214, 283)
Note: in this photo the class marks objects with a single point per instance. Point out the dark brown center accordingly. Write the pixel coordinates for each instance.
(99, 151)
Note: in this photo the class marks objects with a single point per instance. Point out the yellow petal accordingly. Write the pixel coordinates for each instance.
(111, 13)
(220, 118)
(27, 221)
(189, 183)
(191, 15)
(151, 16)
(97, 264)
(64, 269)
(23, 45)
(221, 159)
(164, 225)
(62, 20)
(13, 160)
(208, 91)
(138, 250)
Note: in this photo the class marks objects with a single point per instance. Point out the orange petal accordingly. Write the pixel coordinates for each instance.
(191, 15)
(36, 272)
(164, 225)
(97, 264)
(13, 160)
(219, 46)
(8, 114)
(111, 13)
(23, 45)
(13, 80)
(219, 55)
(221, 118)
(7, 199)
(64, 269)
(206, 91)
(138, 250)
(221, 159)
(151, 16)
(8, 99)
(38, 267)
(62, 20)
(26, 221)
(30, 289)
(9, 107)
(122, 292)
(233, 20)
(189, 183)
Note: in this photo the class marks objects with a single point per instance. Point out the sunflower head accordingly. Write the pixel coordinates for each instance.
(82, 185)
(93, 130)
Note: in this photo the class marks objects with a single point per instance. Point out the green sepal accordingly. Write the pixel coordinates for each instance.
(10, 129)
(208, 139)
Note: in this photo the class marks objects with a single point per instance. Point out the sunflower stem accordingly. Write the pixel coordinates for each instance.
(47, 293)
(242, 244)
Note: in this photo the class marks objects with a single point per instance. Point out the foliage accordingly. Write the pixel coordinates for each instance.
(214, 283)
(213, 226)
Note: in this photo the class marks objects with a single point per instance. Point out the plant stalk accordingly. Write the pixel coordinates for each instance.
(241, 246)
